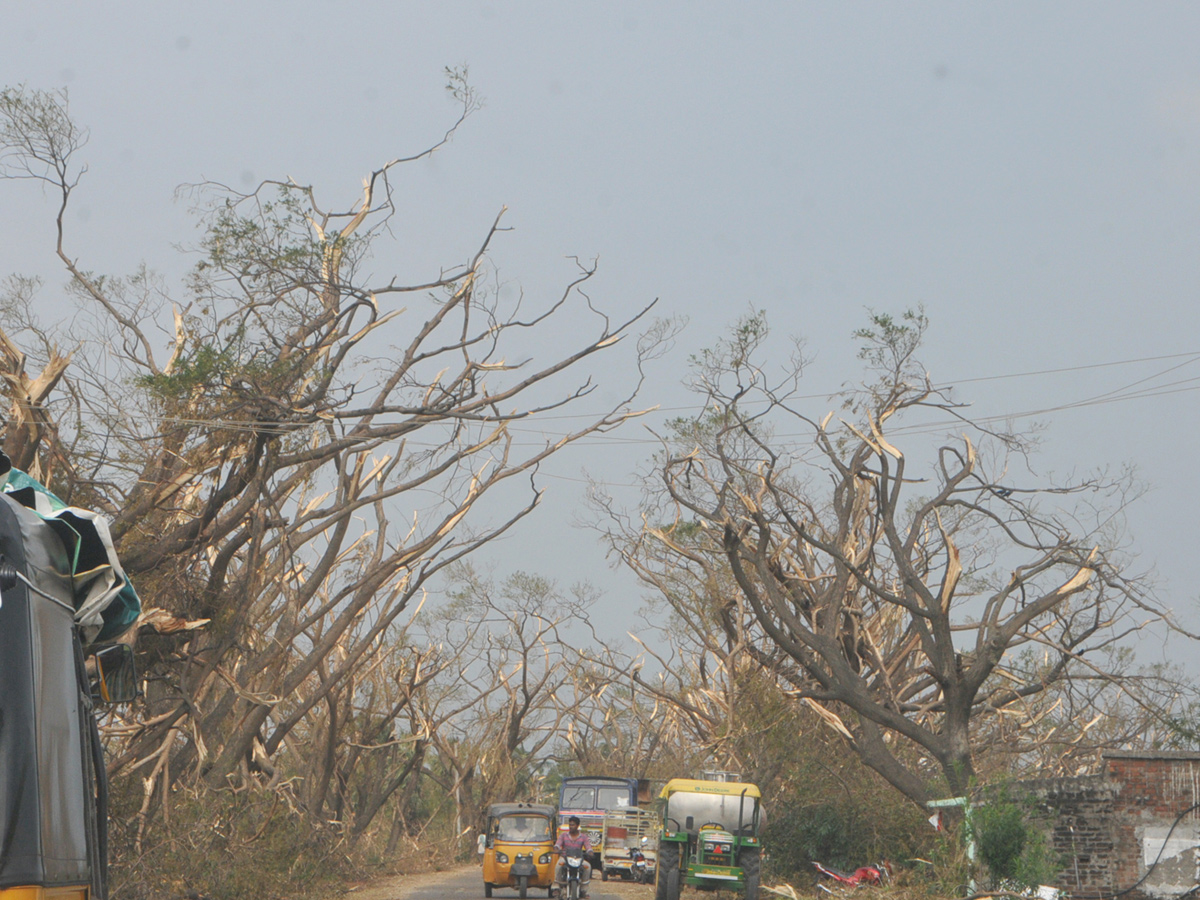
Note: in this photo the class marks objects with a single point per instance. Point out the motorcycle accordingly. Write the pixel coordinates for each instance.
(574, 887)
(637, 867)
(873, 875)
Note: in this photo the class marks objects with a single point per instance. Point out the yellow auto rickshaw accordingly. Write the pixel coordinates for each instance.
(518, 848)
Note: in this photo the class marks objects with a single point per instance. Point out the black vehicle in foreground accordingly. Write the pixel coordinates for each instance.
(54, 665)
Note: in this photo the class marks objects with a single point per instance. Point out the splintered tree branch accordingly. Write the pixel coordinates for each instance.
(916, 612)
(300, 472)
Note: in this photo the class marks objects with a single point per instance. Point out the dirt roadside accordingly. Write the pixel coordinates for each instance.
(396, 887)
(399, 887)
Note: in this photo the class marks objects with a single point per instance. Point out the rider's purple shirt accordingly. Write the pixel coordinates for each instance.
(580, 841)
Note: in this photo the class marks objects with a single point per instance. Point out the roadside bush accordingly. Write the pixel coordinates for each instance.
(230, 845)
(223, 846)
(801, 835)
(844, 834)
(1009, 842)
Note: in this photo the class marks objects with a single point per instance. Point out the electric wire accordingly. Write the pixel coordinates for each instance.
(1112, 396)
(536, 437)
(1158, 857)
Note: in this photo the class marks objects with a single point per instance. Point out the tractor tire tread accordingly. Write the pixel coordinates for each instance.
(751, 864)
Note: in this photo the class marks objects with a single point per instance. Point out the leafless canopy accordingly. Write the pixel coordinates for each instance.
(928, 604)
(288, 456)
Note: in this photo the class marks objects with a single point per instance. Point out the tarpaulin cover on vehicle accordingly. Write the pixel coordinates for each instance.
(104, 599)
(47, 762)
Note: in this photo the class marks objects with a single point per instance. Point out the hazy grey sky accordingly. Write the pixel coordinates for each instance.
(1030, 172)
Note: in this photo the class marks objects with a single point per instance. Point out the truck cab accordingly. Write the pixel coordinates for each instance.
(589, 796)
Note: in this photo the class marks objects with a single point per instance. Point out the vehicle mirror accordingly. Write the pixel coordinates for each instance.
(481, 843)
(689, 824)
(113, 675)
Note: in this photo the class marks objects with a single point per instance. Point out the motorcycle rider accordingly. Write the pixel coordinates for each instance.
(573, 839)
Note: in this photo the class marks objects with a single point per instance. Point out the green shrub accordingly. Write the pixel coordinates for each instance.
(223, 845)
(806, 833)
(844, 835)
(1009, 843)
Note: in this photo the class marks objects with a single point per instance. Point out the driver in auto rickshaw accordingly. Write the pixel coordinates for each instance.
(520, 829)
(518, 848)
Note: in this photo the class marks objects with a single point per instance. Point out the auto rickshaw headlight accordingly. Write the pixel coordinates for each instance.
(544, 859)
(501, 857)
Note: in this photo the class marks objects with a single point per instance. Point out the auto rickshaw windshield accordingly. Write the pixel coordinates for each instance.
(524, 829)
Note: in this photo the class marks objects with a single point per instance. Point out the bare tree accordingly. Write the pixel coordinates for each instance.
(624, 722)
(286, 451)
(363, 751)
(903, 601)
(493, 720)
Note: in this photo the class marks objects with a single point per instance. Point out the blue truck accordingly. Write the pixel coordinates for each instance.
(588, 796)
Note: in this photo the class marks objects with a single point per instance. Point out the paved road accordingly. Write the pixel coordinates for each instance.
(467, 884)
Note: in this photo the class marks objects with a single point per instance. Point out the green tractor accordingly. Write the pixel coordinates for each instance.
(709, 838)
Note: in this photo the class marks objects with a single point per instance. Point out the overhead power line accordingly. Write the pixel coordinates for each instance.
(1115, 395)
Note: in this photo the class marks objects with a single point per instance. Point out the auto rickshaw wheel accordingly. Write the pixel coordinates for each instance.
(487, 889)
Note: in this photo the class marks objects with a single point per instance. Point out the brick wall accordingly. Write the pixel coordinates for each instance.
(1129, 832)
(1079, 814)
